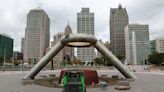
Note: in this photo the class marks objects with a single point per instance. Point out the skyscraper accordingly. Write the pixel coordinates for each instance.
(98, 53)
(118, 20)
(68, 51)
(6, 47)
(85, 24)
(60, 55)
(153, 46)
(137, 43)
(37, 35)
(157, 45)
(107, 44)
(22, 45)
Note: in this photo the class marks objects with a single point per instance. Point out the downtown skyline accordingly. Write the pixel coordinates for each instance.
(60, 15)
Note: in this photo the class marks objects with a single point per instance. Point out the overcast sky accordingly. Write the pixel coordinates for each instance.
(14, 12)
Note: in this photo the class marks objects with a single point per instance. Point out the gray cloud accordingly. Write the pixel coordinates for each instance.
(149, 12)
(13, 15)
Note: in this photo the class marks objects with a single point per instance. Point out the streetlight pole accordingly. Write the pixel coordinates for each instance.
(21, 65)
(4, 58)
(52, 64)
(13, 61)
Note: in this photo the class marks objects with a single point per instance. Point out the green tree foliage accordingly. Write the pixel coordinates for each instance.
(102, 61)
(98, 61)
(1, 59)
(106, 62)
(156, 58)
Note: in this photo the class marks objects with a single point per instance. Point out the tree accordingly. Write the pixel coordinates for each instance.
(1, 59)
(106, 62)
(98, 61)
(103, 61)
(156, 58)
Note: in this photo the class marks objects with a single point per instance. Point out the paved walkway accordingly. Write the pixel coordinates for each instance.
(146, 82)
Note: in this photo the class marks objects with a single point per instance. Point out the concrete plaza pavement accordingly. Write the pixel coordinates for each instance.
(146, 82)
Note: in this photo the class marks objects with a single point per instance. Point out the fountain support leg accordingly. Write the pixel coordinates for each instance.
(114, 60)
(53, 52)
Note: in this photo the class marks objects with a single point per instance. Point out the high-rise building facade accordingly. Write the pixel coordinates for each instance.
(153, 46)
(57, 60)
(37, 35)
(118, 20)
(137, 43)
(6, 46)
(107, 44)
(17, 55)
(85, 24)
(22, 45)
(68, 51)
(60, 55)
(98, 53)
(158, 45)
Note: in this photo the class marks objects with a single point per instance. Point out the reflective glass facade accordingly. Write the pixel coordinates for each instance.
(6, 47)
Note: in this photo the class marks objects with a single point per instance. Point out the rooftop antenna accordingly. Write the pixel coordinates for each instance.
(119, 2)
(119, 5)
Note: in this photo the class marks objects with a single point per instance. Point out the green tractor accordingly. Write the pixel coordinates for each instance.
(73, 81)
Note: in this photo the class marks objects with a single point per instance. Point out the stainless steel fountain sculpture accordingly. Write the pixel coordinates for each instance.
(79, 40)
